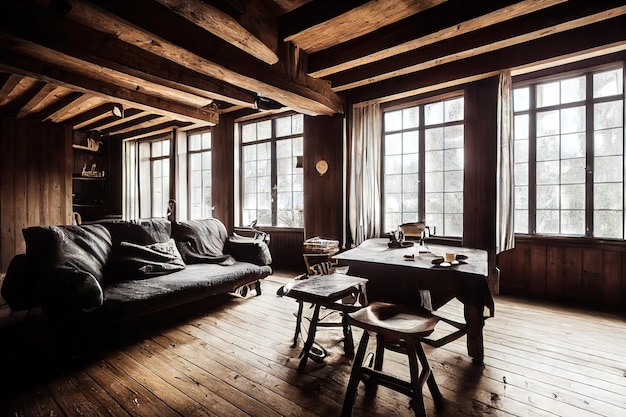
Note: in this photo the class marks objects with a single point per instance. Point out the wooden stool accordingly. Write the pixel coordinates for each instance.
(400, 329)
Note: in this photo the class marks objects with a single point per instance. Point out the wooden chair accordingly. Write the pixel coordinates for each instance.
(397, 328)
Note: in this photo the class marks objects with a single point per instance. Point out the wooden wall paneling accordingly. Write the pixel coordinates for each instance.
(479, 196)
(7, 193)
(518, 277)
(223, 159)
(537, 276)
(571, 279)
(323, 194)
(591, 289)
(114, 148)
(612, 277)
(36, 180)
(554, 270)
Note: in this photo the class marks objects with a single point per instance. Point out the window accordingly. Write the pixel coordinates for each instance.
(272, 186)
(569, 155)
(199, 163)
(160, 177)
(423, 166)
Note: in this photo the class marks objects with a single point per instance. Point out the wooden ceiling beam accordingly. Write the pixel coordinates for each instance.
(33, 67)
(157, 29)
(16, 105)
(558, 19)
(596, 36)
(36, 101)
(58, 33)
(448, 20)
(58, 105)
(357, 22)
(93, 113)
(143, 131)
(223, 25)
(136, 122)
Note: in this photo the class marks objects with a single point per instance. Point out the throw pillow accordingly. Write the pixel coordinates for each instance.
(248, 249)
(73, 288)
(143, 261)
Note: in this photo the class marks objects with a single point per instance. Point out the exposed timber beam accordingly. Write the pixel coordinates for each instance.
(223, 25)
(526, 28)
(357, 22)
(157, 29)
(445, 21)
(32, 67)
(602, 35)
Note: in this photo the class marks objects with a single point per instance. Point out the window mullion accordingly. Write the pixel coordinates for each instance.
(274, 176)
(421, 187)
(532, 160)
(589, 133)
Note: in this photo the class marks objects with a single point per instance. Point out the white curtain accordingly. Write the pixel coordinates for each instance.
(365, 189)
(129, 179)
(505, 235)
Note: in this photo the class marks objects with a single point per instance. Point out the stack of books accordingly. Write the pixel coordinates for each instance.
(320, 245)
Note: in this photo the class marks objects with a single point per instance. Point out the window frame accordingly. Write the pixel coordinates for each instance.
(151, 160)
(272, 140)
(189, 154)
(421, 129)
(588, 102)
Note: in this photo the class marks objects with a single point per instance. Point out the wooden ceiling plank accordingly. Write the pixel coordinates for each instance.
(443, 22)
(34, 67)
(522, 30)
(357, 22)
(223, 25)
(309, 14)
(599, 35)
(162, 33)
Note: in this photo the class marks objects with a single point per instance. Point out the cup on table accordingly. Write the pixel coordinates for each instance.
(449, 257)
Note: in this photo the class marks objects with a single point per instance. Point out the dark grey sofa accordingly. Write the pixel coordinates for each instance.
(112, 271)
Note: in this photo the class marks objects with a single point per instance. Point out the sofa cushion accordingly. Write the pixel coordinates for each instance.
(141, 232)
(201, 241)
(85, 248)
(135, 261)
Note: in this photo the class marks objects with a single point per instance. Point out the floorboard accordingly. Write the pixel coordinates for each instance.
(235, 359)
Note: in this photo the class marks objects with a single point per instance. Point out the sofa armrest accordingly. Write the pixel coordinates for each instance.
(248, 249)
(70, 290)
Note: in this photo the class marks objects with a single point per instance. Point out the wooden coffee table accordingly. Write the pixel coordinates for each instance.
(326, 291)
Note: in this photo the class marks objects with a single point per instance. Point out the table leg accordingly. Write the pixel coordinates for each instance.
(475, 322)
(298, 324)
(310, 338)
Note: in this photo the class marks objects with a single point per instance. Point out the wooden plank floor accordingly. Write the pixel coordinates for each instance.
(235, 359)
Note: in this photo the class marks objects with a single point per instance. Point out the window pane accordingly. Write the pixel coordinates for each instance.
(608, 83)
(608, 115)
(283, 126)
(573, 89)
(548, 94)
(410, 118)
(297, 123)
(608, 224)
(573, 222)
(548, 123)
(521, 99)
(521, 126)
(393, 121)
(609, 142)
(453, 110)
(195, 141)
(433, 113)
(264, 129)
(573, 120)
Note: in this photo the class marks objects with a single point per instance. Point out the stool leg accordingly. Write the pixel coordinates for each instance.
(310, 339)
(348, 341)
(298, 324)
(355, 376)
(432, 384)
(380, 352)
(416, 387)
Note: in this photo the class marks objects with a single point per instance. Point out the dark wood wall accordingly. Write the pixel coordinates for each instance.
(35, 180)
(323, 194)
(575, 271)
